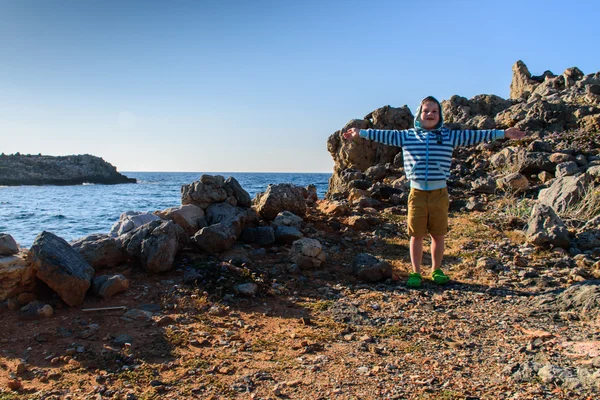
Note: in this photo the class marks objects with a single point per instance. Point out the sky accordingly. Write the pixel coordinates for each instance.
(256, 86)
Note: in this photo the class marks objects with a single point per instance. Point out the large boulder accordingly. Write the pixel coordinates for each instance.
(522, 85)
(188, 216)
(234, 189)
(16, 275)
(8, 246)
(106, 286)
(154, 245)
(286, 218)
(226, 223)
(130, 221)
(62, 268)
(100, 251)
(565, 192)
(281, 197)
(546, 228)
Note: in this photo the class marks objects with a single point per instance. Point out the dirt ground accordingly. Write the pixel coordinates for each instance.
(317, 334)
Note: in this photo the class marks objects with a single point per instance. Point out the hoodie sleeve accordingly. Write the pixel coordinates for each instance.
(471, 137)
(389, 137)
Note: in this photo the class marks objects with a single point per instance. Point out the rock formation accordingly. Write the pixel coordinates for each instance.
(19, 169)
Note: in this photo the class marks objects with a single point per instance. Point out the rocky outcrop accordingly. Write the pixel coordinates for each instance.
(225, 225)
(8, 246)
(130, 221)
(214, 189)
(63, 269)
(545, 228)
(189, 217)
(18, 169)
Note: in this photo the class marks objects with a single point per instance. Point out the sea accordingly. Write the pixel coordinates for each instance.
(72, 212)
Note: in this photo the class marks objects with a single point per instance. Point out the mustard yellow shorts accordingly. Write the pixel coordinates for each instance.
(428, 212)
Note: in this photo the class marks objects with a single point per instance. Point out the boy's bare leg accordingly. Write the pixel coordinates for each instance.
(437, 251)
(416, 253)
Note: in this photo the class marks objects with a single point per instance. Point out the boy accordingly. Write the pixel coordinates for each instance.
(427, 151)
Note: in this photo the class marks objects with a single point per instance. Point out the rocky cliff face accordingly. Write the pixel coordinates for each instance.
(20, 169)
(558, 108)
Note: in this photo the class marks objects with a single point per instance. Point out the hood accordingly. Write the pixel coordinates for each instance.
(418, 114)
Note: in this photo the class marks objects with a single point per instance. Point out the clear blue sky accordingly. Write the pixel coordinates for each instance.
(256, 85)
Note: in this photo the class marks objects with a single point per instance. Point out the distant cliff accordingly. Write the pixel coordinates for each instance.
(19, 169)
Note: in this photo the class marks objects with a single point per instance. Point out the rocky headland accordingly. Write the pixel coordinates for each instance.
(27, 169)
(291, 296)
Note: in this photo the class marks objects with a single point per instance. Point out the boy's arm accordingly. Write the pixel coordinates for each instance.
(471, 137)
(389, 137)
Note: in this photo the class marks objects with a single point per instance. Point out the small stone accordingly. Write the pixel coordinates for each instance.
(14, 384)
(21, 368)
(46, 311)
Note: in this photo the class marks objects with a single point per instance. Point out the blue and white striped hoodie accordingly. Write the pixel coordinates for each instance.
(428, 153)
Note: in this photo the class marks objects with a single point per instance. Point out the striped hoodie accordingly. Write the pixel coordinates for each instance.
(428, 153)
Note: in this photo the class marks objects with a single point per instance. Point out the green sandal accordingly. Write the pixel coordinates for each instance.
(438, 276)
(414, 280)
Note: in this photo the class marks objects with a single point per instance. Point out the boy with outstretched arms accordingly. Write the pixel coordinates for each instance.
(427, 152)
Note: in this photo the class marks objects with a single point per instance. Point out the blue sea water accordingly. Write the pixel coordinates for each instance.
(72, 212)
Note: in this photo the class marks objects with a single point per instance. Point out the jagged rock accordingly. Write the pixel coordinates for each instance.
(369, 268)
(8, 246)
(546, 228)
(154, 244)
(476, 113)
(62, 268)
(287, 234)
(100, 251)
(130, 221)
(106, 286)
(16, 275)
(565, 192)
(188, 216)
(208, 190)
(262, 235)
(336, 208)
(307, 253)
(514, 183)
(312, 197)
(30, 169)
(226, 224)
(246, 289)
(588, 240)
(522, 85)
(234, 189)
(280, 197)
(545, 176)
(559, 158)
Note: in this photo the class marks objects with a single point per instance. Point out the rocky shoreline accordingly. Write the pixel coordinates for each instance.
(26, 169)
(291, 296)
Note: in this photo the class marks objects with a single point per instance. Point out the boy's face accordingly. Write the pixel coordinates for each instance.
(430, 115)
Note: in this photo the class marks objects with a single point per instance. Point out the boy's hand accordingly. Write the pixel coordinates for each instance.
(514, 133)
(352, 134)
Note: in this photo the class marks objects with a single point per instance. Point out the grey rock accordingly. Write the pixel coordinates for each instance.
(63, 269)
(208, 190)
(136, 314)
(190, 217)
(8, 246)
(566, 169)
(307, 253)
(122, 339)
(247, 289)
(100, 251)
(369, 268)
(16, 275)
(564, 192)
(484, 185)
(226, 224)
(106, 286)
(130, 221)
(154, 245)
(546, 228)
(233, 188)
(287, 218)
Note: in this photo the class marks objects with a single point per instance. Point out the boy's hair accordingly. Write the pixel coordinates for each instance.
(430, 99)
